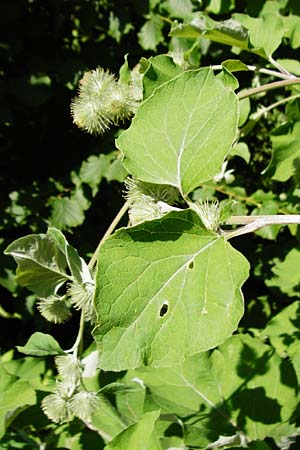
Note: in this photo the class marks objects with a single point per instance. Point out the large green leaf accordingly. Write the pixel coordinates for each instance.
(228, 32)
(292, 29)
(15, 396)
(265, 32)
(41, 264)
(29, 369)
(286, 276)
(130, 400)
(237, 389)
(178, 292)
(191, 125)
(283, 332)
(106, 420)
(139, 436)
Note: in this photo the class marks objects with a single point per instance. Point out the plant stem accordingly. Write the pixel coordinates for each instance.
(108, 232)
(254, 223)
(255, 116)
(280, 67)
(77, 347)
(262, 70)
(268, 87)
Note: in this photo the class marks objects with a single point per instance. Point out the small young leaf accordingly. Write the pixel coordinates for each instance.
(292, 27)
(234, 65)
(41, 264)
(241, 150)
(150, 34)
(157, 70)
(93, 170)
(228, 79)
(66, 212)
(181, 9)
(77, 265)
(40, 344)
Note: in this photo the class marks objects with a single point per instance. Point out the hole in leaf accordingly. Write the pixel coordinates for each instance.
(191, 265)
(164, 309)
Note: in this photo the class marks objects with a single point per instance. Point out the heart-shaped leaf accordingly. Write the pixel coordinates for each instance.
(177, 292)
(182, 133)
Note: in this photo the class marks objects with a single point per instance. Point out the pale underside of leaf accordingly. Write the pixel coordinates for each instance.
(176, 282)
(41, 264)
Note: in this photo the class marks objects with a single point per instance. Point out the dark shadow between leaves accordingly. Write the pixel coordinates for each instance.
(288, 375)
(251, 365)
(254, 403)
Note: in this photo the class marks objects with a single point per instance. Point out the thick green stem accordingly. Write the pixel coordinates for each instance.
(268, 87)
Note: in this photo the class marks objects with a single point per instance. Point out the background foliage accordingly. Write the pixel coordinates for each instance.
(53, 174)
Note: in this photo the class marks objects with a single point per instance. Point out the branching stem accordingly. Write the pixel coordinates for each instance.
(273, 73)
(264, 110)
(268, 87)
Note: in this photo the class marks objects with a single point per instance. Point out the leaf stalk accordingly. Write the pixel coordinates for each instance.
(268, 87)
(255, 222)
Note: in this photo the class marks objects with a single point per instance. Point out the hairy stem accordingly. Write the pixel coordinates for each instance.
(108, 232)
(264, 110)
(262, 70)
(254, 223)
(77, 347)
(268, 87)
(280, 67)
